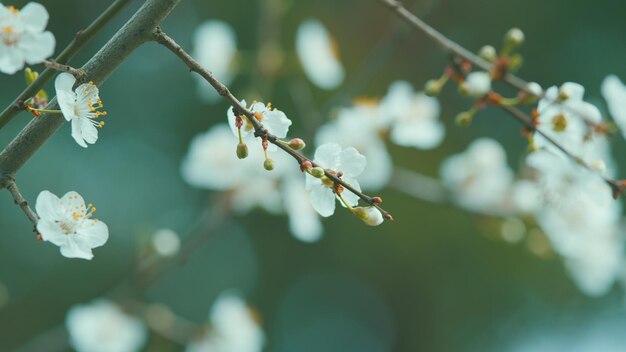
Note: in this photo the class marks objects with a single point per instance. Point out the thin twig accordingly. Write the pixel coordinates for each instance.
(449, 46)
(163, 39)
(79, 73)
(82, 38)
(19, 199)
(617, 187)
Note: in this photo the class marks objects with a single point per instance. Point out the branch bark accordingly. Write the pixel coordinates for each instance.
(136, 31)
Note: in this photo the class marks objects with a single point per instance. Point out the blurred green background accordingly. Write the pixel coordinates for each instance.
(436, 279)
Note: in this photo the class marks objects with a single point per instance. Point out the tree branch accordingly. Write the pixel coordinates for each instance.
(82, 38)
(136, 31)
(19, 199)
(76, 72)
(163, 39)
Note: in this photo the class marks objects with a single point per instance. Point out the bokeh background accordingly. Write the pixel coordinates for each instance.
(436, 279)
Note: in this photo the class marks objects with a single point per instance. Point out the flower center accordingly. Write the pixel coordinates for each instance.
(9, 36)
(88, 104)
(67, 227)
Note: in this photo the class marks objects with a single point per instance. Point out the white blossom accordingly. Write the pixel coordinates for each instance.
(274, 120)
(614, 92)
(22, 37)
(370, 215)
(101, 326)
(67, 223)
(360, 126)
(478, 178)
(215, 48)
(318, 54)
(477, 84)
(562, 115)
(414, 117)
(234, 328)
(80, 107)
(333, 157)
(166, 242)
(304, 223)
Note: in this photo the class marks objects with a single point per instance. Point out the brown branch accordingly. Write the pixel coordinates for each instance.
(451, 47)
(79, 73)
(259, 131)
(18, 198)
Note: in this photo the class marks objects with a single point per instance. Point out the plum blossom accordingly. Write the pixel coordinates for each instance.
(614, 92)
(562, 115)
(215, 48)
(318, 54)
(101, 326)
(67, 223)
(274, 120)
(234, 328)
(360, 126)
(22, 37)
(80, 107)
(414, 117)
(478, 178)
(333, 157)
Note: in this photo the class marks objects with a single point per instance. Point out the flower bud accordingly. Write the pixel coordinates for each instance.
(370, 215)
(488, 53)
(476, 85)
(317, 172)
(534, 88)
(268, 164)
(514, 37)
(30, 75)
(432, 88)
(296, 144)
(242, 150)
(464, 119)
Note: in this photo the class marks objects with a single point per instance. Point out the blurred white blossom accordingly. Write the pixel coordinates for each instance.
(101, 326)
(233, 328)
(413, 117)
(478, 178)
(80, 107)
(67, 223)
(166, 242)
(614, 92)
(274, 120)
(476, 85)
(215, 48)
(22, 37)
(333, 157)
(318, 54)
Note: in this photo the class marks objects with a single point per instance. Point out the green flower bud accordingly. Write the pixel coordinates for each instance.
(488, 53)
(242, 151)
(30, 75)
(514, 37)
(432, 88)
(296, 144)
(464, 119)
(268, 164)
(317, 172)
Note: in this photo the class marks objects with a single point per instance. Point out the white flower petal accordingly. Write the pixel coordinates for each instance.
(327, 155)
(51, 232)
(77, 131)
(351, 161)
(11, 59)
(351, 198)
(72, 201)
(316, 52)
(277, 123)
(34, 17)
(37, 47)
(64, 84)
(73, 249)
(614, 92)
(48, 206)
(92, 234)
(322, 199)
